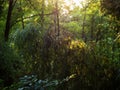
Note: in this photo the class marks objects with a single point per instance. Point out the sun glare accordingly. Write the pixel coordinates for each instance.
(76, 2)
(72, 4)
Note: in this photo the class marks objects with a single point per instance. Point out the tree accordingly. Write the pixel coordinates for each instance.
(8, 20)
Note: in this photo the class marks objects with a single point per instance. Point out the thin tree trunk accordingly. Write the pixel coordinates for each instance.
(92, 28)
(57, 18)
(42, 13)
(83, 27)
(22, 18)
(58, 24)
(22, 21)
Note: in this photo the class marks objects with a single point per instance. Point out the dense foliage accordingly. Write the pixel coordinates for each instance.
(10, 65)
(111, 7)
(59, 45)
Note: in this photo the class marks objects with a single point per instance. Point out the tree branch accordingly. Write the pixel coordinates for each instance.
(30, 17)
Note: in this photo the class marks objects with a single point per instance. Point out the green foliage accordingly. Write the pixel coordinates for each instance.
(28, 43)
(28, 36)
(10, 64)
(1, 6)
(73, 27)
(33, 83)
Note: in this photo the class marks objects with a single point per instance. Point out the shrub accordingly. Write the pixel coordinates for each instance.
(10, 64)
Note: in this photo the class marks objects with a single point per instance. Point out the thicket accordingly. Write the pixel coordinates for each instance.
(63, 63)
(10, 65)
(77, 51)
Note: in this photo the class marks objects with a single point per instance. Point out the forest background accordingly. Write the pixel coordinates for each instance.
(59, 44)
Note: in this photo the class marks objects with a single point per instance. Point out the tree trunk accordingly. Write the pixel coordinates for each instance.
(42, 13)
(8, 20)
(57, 16)
(92, 28)
(22, 18)
(83, 27)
